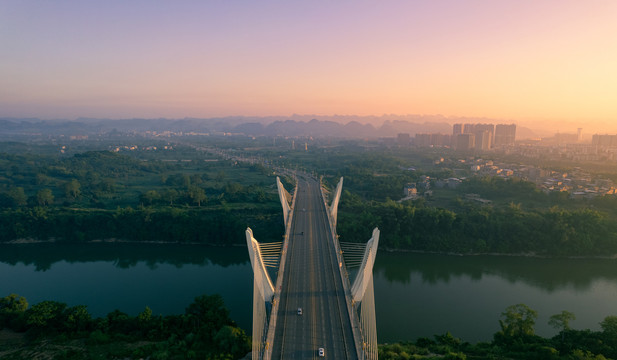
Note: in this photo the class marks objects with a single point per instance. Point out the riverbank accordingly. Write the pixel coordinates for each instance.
(528, 255)
(389, 250)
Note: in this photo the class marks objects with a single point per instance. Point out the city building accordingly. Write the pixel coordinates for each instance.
(604, 140)
(464, 142)
(505, 134)
(426, 140)
(402, 139)
(483, 140)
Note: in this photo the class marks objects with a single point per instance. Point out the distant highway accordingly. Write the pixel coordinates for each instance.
(312, 281)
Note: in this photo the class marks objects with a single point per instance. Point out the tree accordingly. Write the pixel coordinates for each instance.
(13, 304)
(519, 320)
(208, 314)
(561, 321)
(119, 322)
(609, 327)
(197, 194)
(72, 189)
(46, 315)
(12, 309)
(260, 195)
(78, 318)
(44, 197)
(186, 181)
(149, 197)
(18, 195)
(6, 201)
(232, 340)
(144, 319)
(170, 195)
(145, 316)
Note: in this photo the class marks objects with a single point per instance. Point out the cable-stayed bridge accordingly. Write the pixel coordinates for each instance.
(304, 305)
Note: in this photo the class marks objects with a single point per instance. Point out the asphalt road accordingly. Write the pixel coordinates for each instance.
(312, 282)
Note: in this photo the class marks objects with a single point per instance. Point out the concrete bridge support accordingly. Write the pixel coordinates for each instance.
(363, 298)
(334, 206)
(285, 199)
(263, 292)
(360, 295)
(265, 298)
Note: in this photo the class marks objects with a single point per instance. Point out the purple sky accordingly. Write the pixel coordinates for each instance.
(549, 61)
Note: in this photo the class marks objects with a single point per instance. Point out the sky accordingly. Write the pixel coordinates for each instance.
(542, 63)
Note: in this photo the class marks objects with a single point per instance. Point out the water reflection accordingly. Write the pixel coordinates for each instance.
(416, 295)
(123, 255)
(547, 274)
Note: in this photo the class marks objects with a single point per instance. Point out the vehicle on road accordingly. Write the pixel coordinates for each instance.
(322, 352)
(299, 311)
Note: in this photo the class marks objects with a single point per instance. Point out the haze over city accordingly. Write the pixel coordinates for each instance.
(546, 64)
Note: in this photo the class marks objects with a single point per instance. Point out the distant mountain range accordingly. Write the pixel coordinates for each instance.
(298, 125)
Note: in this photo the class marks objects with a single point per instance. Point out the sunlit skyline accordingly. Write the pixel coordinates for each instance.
(545, 63)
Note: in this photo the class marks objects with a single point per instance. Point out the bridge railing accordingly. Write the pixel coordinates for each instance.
(355, 321)
(279, 278)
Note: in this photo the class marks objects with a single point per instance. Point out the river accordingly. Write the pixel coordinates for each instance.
(416, 295)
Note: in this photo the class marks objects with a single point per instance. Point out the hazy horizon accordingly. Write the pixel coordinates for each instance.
(545, 129)
(547, 65)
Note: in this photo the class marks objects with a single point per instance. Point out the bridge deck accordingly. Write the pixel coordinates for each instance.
(312, 282)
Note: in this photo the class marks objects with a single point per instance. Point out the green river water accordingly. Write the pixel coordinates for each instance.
(416, 295)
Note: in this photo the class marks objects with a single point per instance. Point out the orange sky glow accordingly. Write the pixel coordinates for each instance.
(542, 64)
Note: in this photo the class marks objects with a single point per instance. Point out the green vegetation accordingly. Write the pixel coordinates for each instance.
(183, 225)
(519, 220)
(102, 195)
(56, 331)
(177, 196)
(52, 330)
(516, 340)
(415, 226)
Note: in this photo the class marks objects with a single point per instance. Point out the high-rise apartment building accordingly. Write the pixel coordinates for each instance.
(424, 140)
(457, 129)
(464, 141)
(604, 140)
(483, 140)
(484, 136)
(505, 134)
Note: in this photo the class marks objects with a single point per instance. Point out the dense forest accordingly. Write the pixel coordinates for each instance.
(415, 226)
(101, 195)
(520, 219)
(206, 331)
(516, 339)
(204, 197)
(51, 329)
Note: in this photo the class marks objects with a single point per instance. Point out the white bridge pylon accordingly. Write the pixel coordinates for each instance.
(263, 292)
(362, 291)
(285, 199)
(363, 297)
(262, 278)
(365, 274)
(265, 297)
(360, 294)
(334, 206)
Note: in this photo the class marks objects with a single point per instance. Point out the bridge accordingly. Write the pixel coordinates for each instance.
(312, 309)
